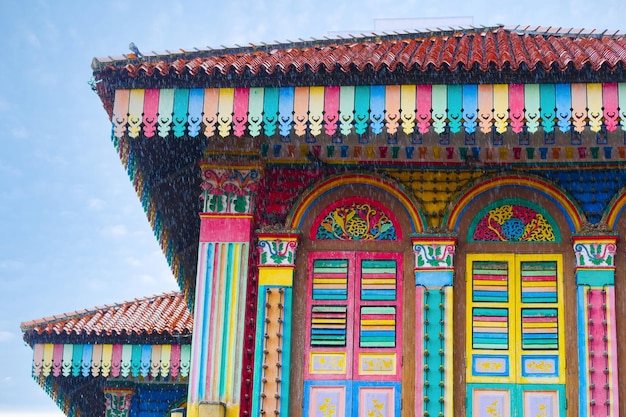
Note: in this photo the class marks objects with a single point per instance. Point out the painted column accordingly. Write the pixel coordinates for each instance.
(117, 401)
(597, 343)
(272, 361)
(434, 270)
(219, 308)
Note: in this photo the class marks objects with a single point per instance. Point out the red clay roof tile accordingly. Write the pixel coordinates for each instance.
(161, 314)
(488, 47)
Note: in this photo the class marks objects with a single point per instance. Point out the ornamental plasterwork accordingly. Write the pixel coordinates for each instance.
(118, 402)
(277, 250)
(513, 223)
(599, 254)
(230, 189)
(357, 220)
(434, 254)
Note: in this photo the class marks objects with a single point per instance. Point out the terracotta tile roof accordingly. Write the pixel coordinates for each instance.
(159, 314)
(500, 48)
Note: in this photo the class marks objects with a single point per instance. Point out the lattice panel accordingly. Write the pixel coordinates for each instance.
(378, 279)
(330, 279)
(490, 282)
(539, 282)
(329, 325)
(377, 327)
(540, 329)
(490, 328)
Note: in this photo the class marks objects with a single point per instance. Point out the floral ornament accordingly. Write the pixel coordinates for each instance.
(595, 254)
(433, 255)
(514, 223)
(228, 190)
(276, 252)
(356, 221)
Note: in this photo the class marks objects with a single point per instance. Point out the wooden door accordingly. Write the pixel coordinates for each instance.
(353, 346)
(515, 347)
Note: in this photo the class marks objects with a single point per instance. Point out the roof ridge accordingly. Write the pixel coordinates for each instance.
(562, 31)
(78, 314)
(299, 44)
(373, 37)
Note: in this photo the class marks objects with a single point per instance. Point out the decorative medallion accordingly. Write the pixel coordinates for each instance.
(514, 221)
(356, 219)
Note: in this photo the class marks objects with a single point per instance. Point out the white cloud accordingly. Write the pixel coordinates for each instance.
(5, 336)
(10, 170)
(11, 264)
(147, 279)
(132, 261)
(117, 230)
(19, 132)
(4, 105)
(95, 203)
(32, 39)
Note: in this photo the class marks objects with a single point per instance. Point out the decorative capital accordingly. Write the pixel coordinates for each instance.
(595, 252)
(229, 188)
(434, 252)
(277, 249)
(117, 401)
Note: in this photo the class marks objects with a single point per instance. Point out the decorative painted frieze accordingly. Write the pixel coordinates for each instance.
(277, 249)
(229, 189)
(413, 110)
(595, 251)
(117, 402)
(111, 360)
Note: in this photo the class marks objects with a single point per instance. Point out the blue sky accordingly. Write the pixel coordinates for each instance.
(72, 232)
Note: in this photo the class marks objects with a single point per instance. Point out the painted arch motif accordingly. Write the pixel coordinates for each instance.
(353, 330)
(356, 219)
(514, 220)
(514, 302)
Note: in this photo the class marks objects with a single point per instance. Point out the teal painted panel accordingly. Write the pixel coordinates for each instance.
(361, 108)
(270, 110)
(181, 105)
(455, 107)
(135, 364)
(595, 278)
(547, 93)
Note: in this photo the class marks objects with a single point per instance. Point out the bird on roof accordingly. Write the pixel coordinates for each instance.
(133, 48)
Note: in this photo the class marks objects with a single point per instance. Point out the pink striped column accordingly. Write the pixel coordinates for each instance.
(597, 343)
(228, 190)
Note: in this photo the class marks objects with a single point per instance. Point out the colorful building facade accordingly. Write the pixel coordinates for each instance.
(125, 360)
(413, 224)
